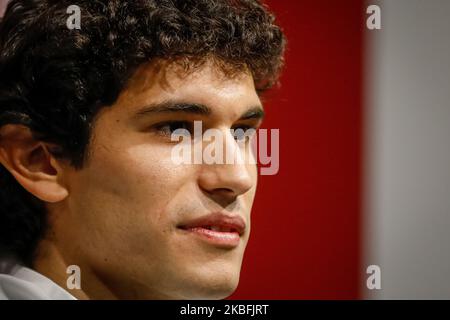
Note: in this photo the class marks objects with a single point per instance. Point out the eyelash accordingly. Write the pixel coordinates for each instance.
(161, 128)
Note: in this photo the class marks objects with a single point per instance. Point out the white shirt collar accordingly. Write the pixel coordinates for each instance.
(18, 282)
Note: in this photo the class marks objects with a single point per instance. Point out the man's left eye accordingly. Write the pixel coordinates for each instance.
(239, 133)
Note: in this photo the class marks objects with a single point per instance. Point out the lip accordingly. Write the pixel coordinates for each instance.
(218, 229)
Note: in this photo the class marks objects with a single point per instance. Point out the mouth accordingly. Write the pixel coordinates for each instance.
(216, 229)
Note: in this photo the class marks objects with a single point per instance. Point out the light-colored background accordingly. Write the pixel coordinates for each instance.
(407, 216)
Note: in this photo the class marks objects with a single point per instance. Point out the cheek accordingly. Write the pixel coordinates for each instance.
(137, 172)
(123, 194)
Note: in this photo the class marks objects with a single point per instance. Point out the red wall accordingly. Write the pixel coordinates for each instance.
(305, 222)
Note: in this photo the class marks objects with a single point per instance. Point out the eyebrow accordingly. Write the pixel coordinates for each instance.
(254, 112)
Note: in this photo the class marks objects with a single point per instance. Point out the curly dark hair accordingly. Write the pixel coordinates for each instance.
(54, 80)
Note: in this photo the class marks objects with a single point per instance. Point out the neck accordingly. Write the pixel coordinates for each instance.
(51, 263)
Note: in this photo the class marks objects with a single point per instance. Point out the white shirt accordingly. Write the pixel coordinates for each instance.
(18, 282)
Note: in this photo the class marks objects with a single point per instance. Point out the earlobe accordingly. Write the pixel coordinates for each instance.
(29, 161)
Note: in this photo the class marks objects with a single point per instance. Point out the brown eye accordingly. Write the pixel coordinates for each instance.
(240, 132)
(168, 128)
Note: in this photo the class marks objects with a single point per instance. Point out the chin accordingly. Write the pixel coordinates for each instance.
(214, 293)
(214, 288)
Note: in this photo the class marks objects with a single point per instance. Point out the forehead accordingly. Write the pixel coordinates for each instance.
(207, 84)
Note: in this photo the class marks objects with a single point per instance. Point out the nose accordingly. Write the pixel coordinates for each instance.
(226, 181)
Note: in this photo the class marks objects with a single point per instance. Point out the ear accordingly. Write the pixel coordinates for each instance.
(31, 164)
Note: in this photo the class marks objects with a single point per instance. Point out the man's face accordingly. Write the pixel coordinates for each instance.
(125, 211)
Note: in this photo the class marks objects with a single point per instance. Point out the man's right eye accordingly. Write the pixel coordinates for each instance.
(167, 128)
